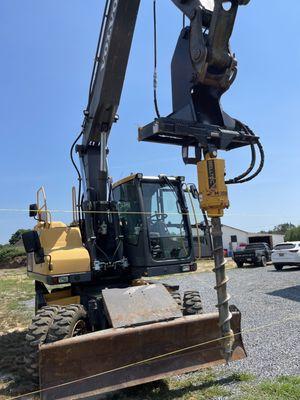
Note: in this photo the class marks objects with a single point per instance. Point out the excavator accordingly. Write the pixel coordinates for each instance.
(101, 324)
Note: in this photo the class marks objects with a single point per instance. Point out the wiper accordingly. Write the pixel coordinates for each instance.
(181, 204)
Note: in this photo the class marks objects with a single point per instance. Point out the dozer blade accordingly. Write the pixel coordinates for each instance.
(104, 361)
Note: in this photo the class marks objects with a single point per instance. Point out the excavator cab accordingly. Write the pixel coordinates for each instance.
(155, 225)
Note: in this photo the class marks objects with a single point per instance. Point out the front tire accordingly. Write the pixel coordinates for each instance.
(36, 336)
(240, 264)
(70, 321)
(177, 297)
(263, 262)
(278, 267)
(192, 304)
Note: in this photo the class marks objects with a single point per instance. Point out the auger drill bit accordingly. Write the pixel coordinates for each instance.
(213, 200)
(221, 288)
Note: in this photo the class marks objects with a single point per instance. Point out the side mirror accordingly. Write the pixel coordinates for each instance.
(32, 244)
(33, 210)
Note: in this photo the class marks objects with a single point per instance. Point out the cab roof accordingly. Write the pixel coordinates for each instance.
(146, 178)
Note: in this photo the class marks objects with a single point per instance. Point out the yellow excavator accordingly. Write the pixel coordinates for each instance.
(101, 324)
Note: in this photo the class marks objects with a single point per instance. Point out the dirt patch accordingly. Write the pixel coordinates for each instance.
(206, 265)
(16, 311)
(13, 380)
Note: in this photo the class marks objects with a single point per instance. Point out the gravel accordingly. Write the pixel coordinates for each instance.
(264, 297)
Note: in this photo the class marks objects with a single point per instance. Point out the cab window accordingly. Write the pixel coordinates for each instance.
(128, 205)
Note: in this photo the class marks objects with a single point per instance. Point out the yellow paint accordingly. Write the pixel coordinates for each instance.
(125, 180)
(212, 187)
(64, 302)
(61, 298)
(60, 294)
(64, 252)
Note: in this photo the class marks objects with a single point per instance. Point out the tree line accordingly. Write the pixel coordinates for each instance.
(290, 231)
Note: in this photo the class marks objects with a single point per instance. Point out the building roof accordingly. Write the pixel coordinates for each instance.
(236, 229)
(265, 234)
(253, 233)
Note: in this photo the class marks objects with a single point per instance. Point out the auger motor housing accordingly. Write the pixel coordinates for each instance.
(212, 187)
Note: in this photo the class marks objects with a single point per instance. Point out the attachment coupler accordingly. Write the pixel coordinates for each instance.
(212, 186)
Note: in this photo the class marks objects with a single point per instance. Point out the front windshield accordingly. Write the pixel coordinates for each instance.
(166, 225)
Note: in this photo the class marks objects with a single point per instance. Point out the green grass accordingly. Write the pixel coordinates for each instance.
(15, 289)
(282, 388)
(242, 377)
(198, 386)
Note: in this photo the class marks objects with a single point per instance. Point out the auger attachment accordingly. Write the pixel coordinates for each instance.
(214, 199)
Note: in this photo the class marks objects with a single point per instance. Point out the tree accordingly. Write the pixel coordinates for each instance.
(281, 229)
(293, 235)
(15, 237)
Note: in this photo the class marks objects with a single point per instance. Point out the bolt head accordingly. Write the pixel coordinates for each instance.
(196, 54)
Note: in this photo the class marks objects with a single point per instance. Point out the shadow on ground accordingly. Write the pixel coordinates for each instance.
(13, 380)
(291, 293)
(285, 269)
(160, 389)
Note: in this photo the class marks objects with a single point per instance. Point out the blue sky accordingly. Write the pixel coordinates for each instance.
(47, 50)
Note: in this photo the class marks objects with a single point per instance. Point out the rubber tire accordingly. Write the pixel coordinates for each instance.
(37, 335)
(192, 304)
(240, 265)
(263, 262)
(64, 322)
(177, 297)
(278, 267)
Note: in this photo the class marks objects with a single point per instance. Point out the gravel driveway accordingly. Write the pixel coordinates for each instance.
(264, 296)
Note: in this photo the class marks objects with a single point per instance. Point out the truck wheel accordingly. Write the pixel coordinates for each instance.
(192, 304)
(70, 321)
(263, 262)
(240, 264)
(278, 267)
(37, 335)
